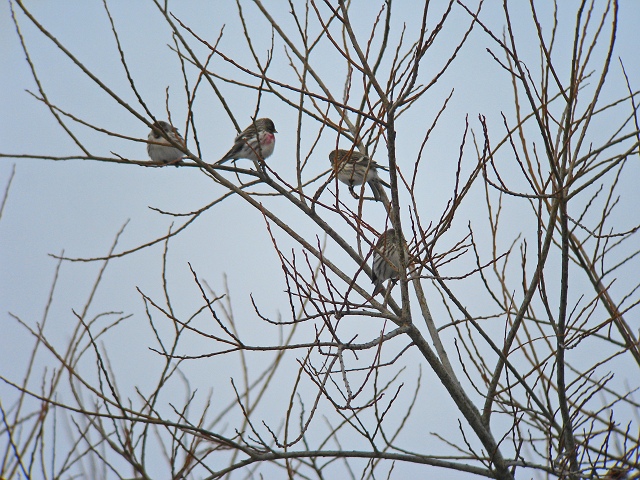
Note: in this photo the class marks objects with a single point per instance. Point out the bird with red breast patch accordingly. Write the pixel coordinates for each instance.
(256, 142)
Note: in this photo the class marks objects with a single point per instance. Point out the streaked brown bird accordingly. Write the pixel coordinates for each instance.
(354, 168)
(159, 148)
(386, 260)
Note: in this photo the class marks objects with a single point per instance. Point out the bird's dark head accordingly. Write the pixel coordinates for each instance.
(267, 125)
(339, 155)
(161, 126)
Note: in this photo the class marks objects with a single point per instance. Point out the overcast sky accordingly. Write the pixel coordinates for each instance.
(78, 206)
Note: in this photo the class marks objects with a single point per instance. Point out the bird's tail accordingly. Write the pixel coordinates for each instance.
(379, 194)
(379, 287)
(224, 159)
(231, 154)
(384, 183)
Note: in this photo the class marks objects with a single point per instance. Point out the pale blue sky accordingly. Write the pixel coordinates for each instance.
(79, 206)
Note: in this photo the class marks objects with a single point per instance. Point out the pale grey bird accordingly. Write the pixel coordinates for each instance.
(159, 148)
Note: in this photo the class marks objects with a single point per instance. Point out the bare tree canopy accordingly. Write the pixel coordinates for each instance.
(320, 239)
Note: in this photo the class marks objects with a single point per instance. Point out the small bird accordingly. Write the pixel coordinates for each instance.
(354, 168)
(386, 260)
(159, 148)
(256, 142)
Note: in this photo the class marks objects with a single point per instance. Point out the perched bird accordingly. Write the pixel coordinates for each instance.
(159, 149)
(386, 260)
(354, 168)
(256, 142)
